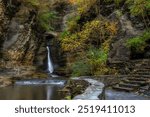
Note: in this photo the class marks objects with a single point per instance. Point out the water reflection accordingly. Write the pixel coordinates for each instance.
(49, 93)
(120, 95)
(30, 92)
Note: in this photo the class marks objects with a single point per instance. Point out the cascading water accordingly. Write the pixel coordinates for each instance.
(50, 65)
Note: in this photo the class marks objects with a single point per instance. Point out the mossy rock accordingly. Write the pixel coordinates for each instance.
(73, 88)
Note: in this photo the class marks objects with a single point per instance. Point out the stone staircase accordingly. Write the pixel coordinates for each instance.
(138, 79)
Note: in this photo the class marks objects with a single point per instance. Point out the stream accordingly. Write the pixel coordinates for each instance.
(111, 94)
(33, 90)
(36, 89)
(48, 89)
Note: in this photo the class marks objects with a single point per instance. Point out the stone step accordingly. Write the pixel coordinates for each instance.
(146, 66)
(142, 70)
(140, 76)
(141, 91)
(145, 87)
(140, 60)
(123, 88)
(129, 85)
(142, 83)
(137, 79)
(143, 73)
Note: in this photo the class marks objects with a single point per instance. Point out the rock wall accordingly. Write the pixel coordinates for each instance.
(21, 41)
(119, 50)
(3, 24)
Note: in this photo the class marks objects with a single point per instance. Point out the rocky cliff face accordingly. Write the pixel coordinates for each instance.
(21, 42)
(3, 24)
(119, 50)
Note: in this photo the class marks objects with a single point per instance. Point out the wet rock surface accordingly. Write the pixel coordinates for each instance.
(120, 95)
(33, 89)
(74, 87)
(93, 92)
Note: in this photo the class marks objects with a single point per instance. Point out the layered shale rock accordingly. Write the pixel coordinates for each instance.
(19, 36)
(3, 24)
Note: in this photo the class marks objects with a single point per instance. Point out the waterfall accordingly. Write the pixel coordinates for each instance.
(49, 62)
(49, 92)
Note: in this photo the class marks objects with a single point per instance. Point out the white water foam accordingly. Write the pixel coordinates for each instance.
(49, 62)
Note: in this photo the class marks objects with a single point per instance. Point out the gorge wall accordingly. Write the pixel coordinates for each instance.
(22, 40)
(24, 32)
(24, 36)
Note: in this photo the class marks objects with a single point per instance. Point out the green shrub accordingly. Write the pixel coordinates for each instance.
(96, 31)
(33, 3)
(93, 63)
(138, 44)
(64, 34)
(72, 23)
(138, 7)
(80, 68)
(96, 58)
(45, 18)
(83, 6)
(45, 14)
(89, 47)
(117, 2)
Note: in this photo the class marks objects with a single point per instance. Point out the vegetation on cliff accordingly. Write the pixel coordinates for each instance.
(45, 15)
(88, 48)
(88, 37)
(90, 30)
(89, 34)
(139, 43)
